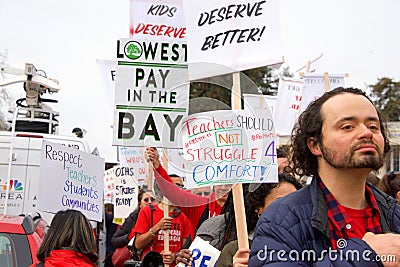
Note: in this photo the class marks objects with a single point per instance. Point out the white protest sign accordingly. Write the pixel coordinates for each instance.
(287, 105)
(151, 93)
(109, 185)
(229, 146)
(203, 253)
(314, 86)
(125, 192)
(133, 157)
(70, 179)
(260, 101)
(231, 36)
(107, 75)
(155, 20)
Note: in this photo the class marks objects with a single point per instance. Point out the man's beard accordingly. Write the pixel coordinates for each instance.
(372, 160)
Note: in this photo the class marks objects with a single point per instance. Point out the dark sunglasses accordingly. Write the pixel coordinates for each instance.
(149, 199)
(202, 193)
(180, 185)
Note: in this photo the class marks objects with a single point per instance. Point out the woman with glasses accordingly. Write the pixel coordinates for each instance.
(121, 237)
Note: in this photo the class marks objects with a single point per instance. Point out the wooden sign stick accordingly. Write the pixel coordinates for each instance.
(327, 83)
(149, 173)
(166, 204)
(237, 189)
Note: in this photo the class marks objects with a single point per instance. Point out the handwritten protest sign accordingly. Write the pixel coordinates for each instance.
(260, 101)
(133, 157)
(203, 253)
(70, 179)
(151, 93)
(231, 36)
(287, 105)
(125, 192)
(315, 86)
(155, 20)
(226, 147)
(109, 184)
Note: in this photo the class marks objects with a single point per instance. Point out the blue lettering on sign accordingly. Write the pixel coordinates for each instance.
(196, 254)
(202, 173)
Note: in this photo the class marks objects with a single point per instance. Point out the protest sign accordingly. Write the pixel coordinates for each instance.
(155, 20)
(151, 93)
(107, 75)
(226, 37)
(260, 101)
(109, 183)
(125, 192)
(133, 157)
(287, 105)
(315, 85)
(70, 179)
(203, 253)
(229, 146)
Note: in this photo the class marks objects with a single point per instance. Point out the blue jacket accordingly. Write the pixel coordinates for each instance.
(294, 231)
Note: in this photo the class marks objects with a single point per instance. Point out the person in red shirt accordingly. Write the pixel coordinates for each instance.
(149, 231)
(196, 208)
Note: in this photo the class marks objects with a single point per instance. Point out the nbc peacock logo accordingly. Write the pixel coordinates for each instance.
(14, 185)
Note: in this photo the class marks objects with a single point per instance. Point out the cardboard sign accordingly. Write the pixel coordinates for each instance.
(203, 254)
(226, 36)
(70, 179)
(125, 192)
(229, 146)
(151, 93)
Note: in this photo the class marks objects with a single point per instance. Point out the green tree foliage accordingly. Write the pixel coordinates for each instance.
(262, 80)
(386, 96)
(267, 78)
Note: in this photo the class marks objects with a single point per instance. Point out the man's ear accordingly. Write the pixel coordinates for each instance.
(313, 146)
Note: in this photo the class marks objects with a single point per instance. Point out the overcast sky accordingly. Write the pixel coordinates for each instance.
(64, 38)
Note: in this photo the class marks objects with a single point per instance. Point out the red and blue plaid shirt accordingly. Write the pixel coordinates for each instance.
(340, 222)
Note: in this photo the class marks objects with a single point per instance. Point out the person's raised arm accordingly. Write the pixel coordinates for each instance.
(176, 195)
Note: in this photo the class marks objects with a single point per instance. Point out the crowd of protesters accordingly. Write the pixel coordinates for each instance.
(339, 141)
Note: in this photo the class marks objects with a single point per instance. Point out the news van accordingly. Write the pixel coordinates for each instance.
(32, 121)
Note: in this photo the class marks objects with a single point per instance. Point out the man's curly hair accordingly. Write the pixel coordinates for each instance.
(309, 124)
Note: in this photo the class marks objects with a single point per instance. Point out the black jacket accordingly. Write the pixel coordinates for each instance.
(120, 238)
(294, 231)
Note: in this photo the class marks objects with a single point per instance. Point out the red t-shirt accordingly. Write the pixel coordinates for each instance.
(356, 228)
(191, 204)
(180, 229)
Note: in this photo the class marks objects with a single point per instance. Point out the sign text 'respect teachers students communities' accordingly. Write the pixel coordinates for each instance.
(230, 36)
(77, 182)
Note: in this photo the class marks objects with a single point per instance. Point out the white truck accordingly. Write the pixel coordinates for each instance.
(20, 147)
